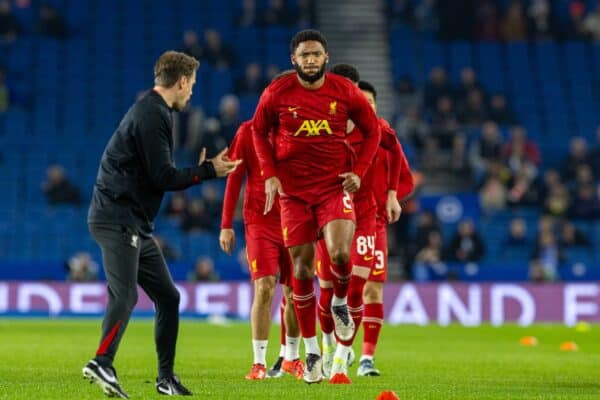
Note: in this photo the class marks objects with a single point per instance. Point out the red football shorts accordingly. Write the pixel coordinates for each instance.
(380, 267)
(266, 253)
(302, 222)
(363, 244)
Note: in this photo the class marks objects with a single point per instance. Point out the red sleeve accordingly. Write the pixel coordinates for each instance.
(264, 120)
(406, 183)
(390, 142)
(235, 179)
(362, 114)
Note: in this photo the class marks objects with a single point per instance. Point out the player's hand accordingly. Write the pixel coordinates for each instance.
(202, 156)
(227, 240)
(272, 187)
(351, 182)
(223, 165)
(392, 207)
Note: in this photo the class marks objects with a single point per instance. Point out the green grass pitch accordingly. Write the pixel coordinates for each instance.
(42, 359)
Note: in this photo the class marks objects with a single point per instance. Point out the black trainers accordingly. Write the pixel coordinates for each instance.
(105, 377)
(275, 371)
(172, 386)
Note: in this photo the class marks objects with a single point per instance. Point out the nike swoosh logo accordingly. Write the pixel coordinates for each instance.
(107, 377)
(303, 305)
(347, 211)
(375, 273)
(290, 109)
(367, 258)
(168, 391)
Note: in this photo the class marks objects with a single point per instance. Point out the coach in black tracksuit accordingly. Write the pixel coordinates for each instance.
(135, 171)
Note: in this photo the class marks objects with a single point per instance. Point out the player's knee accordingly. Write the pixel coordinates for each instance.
(264, 290)
(340, 256)
(303, 269)
(371, 294)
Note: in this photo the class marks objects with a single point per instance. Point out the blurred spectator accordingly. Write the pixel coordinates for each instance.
(427, 223)
(214, 51)
(4, 93)
(459, 160)
(429, 257)
(306, 14)
(570, 236)
(191, 46)
(411, 127)
(51, 23)
(277, 14)
(211, 138)
(517, 235)
(591, 24)
(500, 112)
(430, 161)
(488, 26)
(229, 116)
(213, 203)
(518, 149)
(187, 132)
(466, 245)
(514, 23)
(401, 11)
(176, 207)
(578, 155)
(272, 71)
(204, 271)
(585, 204)
(474, 112)
(549, 255)
(493, 195)
(426, 16)
(537, 273)
(406, 94)
(575, 29)
(445, 122)
(523, 188)
(167, 250)
(10, 28)
(557, 203)
(486, 150)
(58, 189)
(541, 26)
(437, 87)
(247, 16)
(196, 218)
(468, 83)
(252, 83)
(81, 268)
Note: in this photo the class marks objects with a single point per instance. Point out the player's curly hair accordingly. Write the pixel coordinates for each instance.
(347, 71)
(171, 66)
(367, 87)
(306, 35)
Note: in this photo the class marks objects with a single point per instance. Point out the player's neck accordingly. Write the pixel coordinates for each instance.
(312, 85)
(166, 94)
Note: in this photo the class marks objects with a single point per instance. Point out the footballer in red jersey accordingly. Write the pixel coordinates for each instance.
(363, 247)
(392, 182)
(311, 166)
(265, 252)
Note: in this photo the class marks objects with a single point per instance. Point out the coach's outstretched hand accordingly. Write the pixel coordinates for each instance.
(221, 162)
(227, 240)
(351, 182)
(272, 187)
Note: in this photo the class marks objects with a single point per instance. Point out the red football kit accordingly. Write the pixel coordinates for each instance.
(264, 239)
(310, 150)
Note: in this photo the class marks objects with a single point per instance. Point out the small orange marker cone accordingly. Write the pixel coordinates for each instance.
(568, 346)
(387, 395)
(528, 341)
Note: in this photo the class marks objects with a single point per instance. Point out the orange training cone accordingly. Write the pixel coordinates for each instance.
(528, 341)
(568, 346)
(387, 395)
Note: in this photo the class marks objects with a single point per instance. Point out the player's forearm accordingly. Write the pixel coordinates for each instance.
(367, 153)
(232, 195)
(264, 152)
(395, 165)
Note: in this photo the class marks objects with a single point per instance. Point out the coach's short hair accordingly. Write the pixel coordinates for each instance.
(347, 71)
(306, 35)
(367, 87)
(171, 66)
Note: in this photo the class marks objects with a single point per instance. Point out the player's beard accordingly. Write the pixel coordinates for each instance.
(310, 78)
